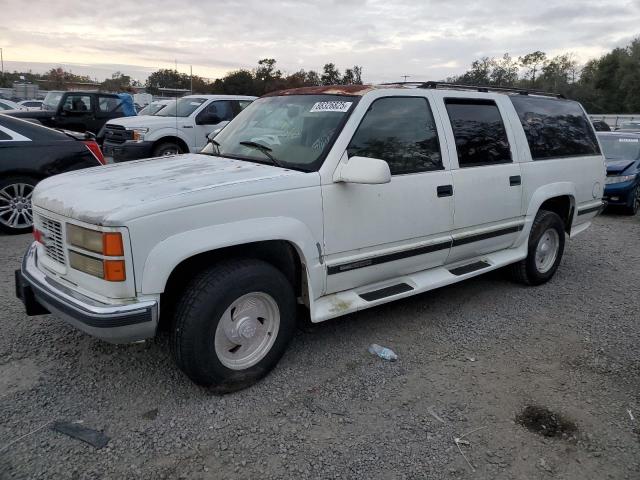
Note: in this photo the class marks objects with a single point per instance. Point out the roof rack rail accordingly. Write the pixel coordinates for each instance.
(478, 88)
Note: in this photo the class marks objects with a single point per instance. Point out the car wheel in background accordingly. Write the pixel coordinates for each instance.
(546, 246)
(634, 206)
(233, 324)
(15, 204)
(167, 148)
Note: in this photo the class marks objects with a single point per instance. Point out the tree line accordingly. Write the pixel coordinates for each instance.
(263, 79)
(608, 84)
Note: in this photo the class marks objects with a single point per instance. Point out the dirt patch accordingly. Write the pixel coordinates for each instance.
(544, 422)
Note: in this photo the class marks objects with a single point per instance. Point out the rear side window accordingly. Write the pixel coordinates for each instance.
(481, 138)
(400, 131)
(109, 105)
(555, 128)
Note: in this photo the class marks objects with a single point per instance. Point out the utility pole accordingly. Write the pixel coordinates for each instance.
(191, 77)
(2, 62)
(405, 77)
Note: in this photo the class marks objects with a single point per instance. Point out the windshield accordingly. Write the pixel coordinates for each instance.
(184, 106)
(152, 108)
(293, 130)
(620, 148)
(51, 101)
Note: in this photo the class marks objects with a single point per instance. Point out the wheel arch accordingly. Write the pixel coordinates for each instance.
(171, 139)
(559, 198)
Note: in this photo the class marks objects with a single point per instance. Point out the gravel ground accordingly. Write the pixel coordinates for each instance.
(472, 357)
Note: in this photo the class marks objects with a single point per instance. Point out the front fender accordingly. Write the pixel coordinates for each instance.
(155, 135)
(169, 253)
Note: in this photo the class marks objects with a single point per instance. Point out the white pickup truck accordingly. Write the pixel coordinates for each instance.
(180, 127)
(335, 199)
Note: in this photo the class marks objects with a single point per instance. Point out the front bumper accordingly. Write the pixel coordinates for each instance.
(619, 193)
(114, 323)
(123, 152)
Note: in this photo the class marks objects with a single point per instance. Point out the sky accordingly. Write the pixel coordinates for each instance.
(425, 39)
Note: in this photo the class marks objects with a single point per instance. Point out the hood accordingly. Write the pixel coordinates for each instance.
(618, 166)
(114, 193)
(148, 121)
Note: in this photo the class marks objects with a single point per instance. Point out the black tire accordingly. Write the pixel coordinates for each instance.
(635, 201)
(166, 148)
(526, 271)
(199, 312)
(6, 186)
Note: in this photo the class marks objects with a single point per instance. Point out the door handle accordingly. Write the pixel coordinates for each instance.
(187, 126)
(515, 180)
(445, 190)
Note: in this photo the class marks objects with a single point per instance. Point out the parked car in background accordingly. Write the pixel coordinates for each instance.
(31, 105)
(154, 107)
(77, 111)
(334, 199)
(30, 153)
(622, 154)
(8, 105)
(181, 126)
(633, 126)
(601, 126)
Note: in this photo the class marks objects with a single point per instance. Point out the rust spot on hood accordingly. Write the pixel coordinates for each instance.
(326, 90)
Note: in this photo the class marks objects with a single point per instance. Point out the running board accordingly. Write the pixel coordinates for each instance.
(469, 267)
(349, 301)
(386, 292)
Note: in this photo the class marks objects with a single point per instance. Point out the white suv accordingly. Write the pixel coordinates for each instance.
(182, 126)
(337, 199)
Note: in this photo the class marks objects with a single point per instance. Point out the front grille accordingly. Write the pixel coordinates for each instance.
(116, 133)
(53, 242)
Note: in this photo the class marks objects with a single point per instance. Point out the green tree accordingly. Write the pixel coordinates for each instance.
(330, 75)
(533, 63)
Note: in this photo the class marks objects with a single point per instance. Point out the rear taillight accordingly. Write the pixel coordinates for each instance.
(94, 148)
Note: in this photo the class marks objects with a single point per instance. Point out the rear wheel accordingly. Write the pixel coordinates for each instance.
(15, 204)
(167, 148)
(546, 246)
(233, 324)
(634, 201)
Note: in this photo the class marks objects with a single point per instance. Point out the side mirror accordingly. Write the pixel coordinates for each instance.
(368, 171)
(207, 118)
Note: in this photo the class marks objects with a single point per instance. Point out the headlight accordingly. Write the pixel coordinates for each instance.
(137, 134)
(619, 179)
(107, 244)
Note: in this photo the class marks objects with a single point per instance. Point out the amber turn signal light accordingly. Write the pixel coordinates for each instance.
(112, 244)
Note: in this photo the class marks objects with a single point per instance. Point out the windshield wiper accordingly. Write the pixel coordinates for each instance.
(264, 149)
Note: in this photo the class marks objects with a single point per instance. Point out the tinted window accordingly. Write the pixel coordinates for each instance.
(223, 109)
(77, 103)
(244, 104)
(481, 138)
(4, 136)
(31, 104)
(401, 131)
(554, 127)
(109, 105)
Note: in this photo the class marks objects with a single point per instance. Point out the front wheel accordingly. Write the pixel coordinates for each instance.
(634, 201)
(233, 324)
(165, 149)
(546, 246)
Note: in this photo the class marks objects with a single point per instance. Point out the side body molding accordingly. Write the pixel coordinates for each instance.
(166, 255)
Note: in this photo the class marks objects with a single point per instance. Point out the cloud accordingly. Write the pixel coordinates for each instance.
(429, 39)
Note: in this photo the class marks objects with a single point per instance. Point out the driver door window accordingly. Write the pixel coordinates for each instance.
(400, 131)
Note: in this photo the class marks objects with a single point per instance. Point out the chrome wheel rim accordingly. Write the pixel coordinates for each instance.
(547, 250)
(247, 330)
(15, 206)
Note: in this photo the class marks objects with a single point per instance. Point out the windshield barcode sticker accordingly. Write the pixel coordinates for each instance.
(628, 140)
(331, 107)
